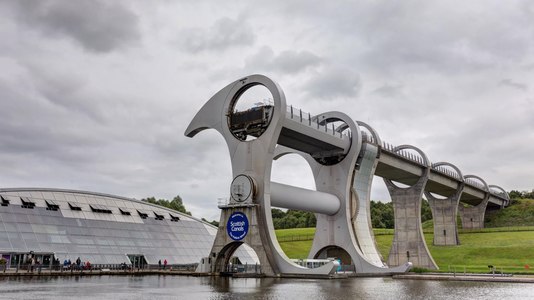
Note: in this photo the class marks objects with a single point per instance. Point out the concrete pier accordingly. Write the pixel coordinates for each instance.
(473, 216)
(409, 242)
(445, 212)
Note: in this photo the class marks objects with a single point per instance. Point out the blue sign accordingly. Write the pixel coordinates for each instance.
(237, 226)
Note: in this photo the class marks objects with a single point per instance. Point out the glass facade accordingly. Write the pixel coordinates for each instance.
(102, 229)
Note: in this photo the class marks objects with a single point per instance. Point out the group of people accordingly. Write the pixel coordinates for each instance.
(77, 265)
(33, 262)
(164, 264)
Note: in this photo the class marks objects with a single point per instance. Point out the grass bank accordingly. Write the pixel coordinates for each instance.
(509, 249)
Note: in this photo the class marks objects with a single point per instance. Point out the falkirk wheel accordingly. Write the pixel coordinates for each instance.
(335, 155)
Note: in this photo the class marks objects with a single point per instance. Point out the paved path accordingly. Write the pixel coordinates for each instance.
(13, 273)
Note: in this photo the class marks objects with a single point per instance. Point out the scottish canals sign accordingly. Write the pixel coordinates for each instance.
(237, 226)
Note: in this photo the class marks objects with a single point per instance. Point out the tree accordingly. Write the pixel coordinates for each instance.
(214, 223)
(515, 194)
(178, 205)
(426, 212)
(382, 214)
(292, 219)
(175, 204)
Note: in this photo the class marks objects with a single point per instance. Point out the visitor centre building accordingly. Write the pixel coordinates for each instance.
(50, 224)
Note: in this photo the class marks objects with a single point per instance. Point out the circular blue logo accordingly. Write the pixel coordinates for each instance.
(237, 226)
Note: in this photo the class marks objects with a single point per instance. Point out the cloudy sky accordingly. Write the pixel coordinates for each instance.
(96, 95)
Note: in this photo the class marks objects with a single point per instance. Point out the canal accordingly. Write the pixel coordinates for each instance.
(183, 287)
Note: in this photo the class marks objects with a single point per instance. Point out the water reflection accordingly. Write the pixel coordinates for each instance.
(179, 287)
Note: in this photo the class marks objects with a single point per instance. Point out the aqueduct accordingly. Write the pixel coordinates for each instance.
(343, 159)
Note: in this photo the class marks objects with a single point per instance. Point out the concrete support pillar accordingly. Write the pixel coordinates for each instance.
(473, 217)
(409, 242)
(444, 214)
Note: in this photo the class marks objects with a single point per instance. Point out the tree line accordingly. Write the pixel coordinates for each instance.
(176, 203)
(382, 214)
(521, 194)
(292, 219)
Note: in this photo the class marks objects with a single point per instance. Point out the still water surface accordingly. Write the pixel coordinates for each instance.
(180, 287)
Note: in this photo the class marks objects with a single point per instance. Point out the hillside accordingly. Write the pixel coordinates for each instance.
(506, 248)
(506, 242)
(519, 213)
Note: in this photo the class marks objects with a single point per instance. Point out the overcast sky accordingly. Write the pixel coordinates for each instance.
(96, 95)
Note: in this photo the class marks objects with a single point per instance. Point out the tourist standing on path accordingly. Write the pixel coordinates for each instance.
(159, 264)
(32, 263)
(164, 264)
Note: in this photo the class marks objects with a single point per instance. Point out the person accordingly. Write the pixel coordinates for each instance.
(56, 264)
(32, 264)
(159, 264)
(78, 262)
(87, 265)
(164, 264)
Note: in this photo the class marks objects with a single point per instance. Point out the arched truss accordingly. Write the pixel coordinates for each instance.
(486, 186)
(455, 168)
(333, 116)
(426, 162)
(459, 176)
(355, 134)
(496, 187)
(373, 132)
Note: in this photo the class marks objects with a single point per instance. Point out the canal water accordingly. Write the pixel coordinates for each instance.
(181, 287)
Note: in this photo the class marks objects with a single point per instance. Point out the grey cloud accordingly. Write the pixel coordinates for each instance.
(420, 35)
(223, 34)
(430, 75)
(99, 26)
(288, 62)
(390, 91)
(512, 84)
(334, 82)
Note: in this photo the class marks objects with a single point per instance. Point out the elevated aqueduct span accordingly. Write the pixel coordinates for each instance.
(344, 155)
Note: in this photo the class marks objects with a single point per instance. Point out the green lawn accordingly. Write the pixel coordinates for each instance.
(507, 250)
